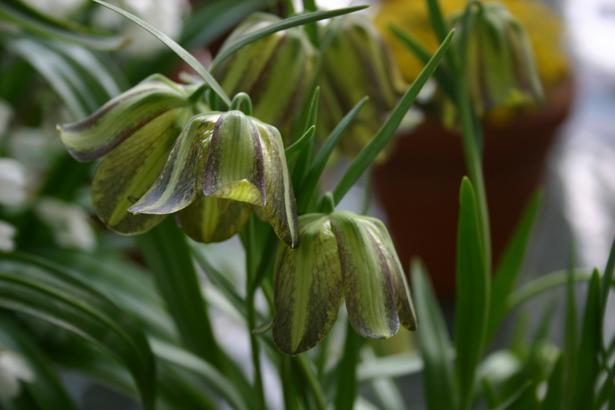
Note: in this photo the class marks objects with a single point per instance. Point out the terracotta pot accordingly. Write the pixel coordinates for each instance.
(419, 185)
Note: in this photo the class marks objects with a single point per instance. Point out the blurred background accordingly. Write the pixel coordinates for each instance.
(565, 148)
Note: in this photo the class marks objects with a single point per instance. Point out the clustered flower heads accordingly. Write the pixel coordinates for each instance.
(211, 169)
(163, 152)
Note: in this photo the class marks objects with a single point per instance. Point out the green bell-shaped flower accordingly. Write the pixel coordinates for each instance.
(223, 166)
(357, 63)
(134, 132)
(341, 255)
(499, 64)
(276, 71)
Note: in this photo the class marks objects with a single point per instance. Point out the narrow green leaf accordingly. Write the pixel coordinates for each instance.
(472, 296)
(510, 266)
(434, 343)
(188, 361)
(436, 18)
(587, 366)
(369, 153)
(298, 147)
(46, 388)
(214, 18)
(167, 254)
(570, 337)
(512, 399)
(311, 118)
(287, 23)
(310, 182)
(607, 279)
(84, 312)
(33, 21)
(346, 388)
(554, 398)
(176, 48)
(423, 55)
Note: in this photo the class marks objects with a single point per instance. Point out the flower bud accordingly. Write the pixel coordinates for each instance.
(134, 132)
(357, 63)
(222, 166)
(500, 67)
(275, 71)
(340, 254)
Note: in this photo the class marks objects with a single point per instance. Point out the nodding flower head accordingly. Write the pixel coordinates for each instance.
(357, 63)
(212, 169)
(341, 256)
(499, 65)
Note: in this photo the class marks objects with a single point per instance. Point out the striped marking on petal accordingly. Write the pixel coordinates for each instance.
(234, 168)
(369, 281)
(182, 175)
(126, 173)
(280, 211)
(121, 118)
(308, 287)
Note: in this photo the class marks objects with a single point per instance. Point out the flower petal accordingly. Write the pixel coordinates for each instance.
(213, 220)
(122, 117)
(280, 209)
(308, 287)
(234, 168)
(127, 172)
(182, 175)
(370, 276)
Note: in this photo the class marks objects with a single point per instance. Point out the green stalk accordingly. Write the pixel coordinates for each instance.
(313, 383)
(250, 248)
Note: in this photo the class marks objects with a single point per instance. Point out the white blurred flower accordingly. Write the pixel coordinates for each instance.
(165, 15)
(7, 234)
(15, 180)
(69, 223)
(56, 8)
(34, 147)
(13, 371)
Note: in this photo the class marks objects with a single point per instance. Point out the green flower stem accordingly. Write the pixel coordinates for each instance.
(311, 29)
(313, 384)
(250, 246)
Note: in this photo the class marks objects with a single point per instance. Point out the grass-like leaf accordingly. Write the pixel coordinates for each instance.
(287, 23)
(35, 22)
(369, 153)
(310, 182)
(587, 365)
(472, 301)
(422, 54)
(510, 266)
(435, 345)
(61, 300)
(167, 254)
(47, 391)
(176, 48)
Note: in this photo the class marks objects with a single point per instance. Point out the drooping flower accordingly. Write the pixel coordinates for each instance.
(499, 65)
(15, 182)
(69, 224)
(341, 256)
(357, 63)
(276, 71)
(222, 166)
(133, 133)
(212, 169)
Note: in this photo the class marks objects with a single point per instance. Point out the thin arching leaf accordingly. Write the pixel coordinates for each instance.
(176, 48)
(287, 23)
(33, 21)
(58, 299)
(369, 153)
